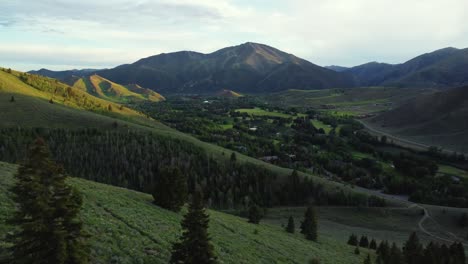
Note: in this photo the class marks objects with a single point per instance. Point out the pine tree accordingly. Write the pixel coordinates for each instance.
(255, 214)
(463, 220)
(233, 157)
(309, 225)
(290, 227)
(353, 241)
(367, 260)
(170, 190)
(194, 246)
(373, 244)
(364, 242)
(356, 251)
(49, 230)
(12, 99)
(395, 256)
(412, 249)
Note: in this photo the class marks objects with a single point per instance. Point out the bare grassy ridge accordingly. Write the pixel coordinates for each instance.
(108, 90)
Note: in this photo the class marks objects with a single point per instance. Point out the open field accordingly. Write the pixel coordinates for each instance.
(127, 228)
(260, 112)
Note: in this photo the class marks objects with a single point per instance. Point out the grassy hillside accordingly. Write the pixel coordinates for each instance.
(438, 119)
(105, 89)
(127, 228)
(352, 101)
(79, 109)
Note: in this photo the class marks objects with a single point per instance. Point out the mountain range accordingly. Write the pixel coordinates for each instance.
(250, 68)
(258, 68)
(439, 69)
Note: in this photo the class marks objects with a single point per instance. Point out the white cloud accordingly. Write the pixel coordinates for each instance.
(323, 31)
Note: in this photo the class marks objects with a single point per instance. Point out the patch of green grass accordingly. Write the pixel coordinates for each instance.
(446, 169)
(319, 124)
(127, 228)
(260, 112)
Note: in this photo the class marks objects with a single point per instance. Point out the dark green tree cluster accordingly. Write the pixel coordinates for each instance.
(194, 246)
(353, 240)
(49, 229)
(255, 214)
(414, 252)
(135, 160)
(309, 224)
(170, 190)
(290, 227)
(362, 242)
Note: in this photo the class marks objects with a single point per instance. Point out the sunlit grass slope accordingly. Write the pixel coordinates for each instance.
(105, 89)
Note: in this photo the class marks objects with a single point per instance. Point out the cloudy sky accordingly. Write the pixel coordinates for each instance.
(60, 34)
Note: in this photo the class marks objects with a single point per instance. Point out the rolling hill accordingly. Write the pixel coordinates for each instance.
(246, 68)
(439, 118)
(105, 89)
(441, 69)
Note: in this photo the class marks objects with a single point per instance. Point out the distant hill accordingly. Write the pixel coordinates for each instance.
(337, 68)
(103, 88)
(69, 77)
(228, 93)
(441, 68)
(247, 68)
(439, 118)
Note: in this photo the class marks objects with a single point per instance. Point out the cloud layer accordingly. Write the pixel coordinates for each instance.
(57, 33)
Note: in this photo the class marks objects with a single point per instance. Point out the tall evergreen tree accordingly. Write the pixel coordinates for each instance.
(290, 227)
(255, 214)
(170, 190)
(395, 256)
(413, 250)
(194, 246)
(49, 230)
(12, 99)
(364, 242)
(309, 225)
(353, 241)
(367, 260)
(373, 244)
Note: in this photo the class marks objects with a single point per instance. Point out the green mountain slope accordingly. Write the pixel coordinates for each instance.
(127, 228)
(74, 108)
(105, 89)
(440, 68)
(435, 119)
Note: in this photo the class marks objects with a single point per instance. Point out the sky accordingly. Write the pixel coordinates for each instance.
(59, 34)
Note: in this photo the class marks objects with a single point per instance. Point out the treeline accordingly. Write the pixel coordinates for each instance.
(136, 160)
(412, 252)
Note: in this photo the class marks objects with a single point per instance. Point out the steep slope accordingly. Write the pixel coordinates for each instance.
(127, 228)
(105, 89)
(441, 68)
(41, 99)
(438, 118)
(250, 68)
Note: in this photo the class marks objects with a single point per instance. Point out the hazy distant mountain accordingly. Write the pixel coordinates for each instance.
(337, 68)
(249, 68)
(441, 68)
